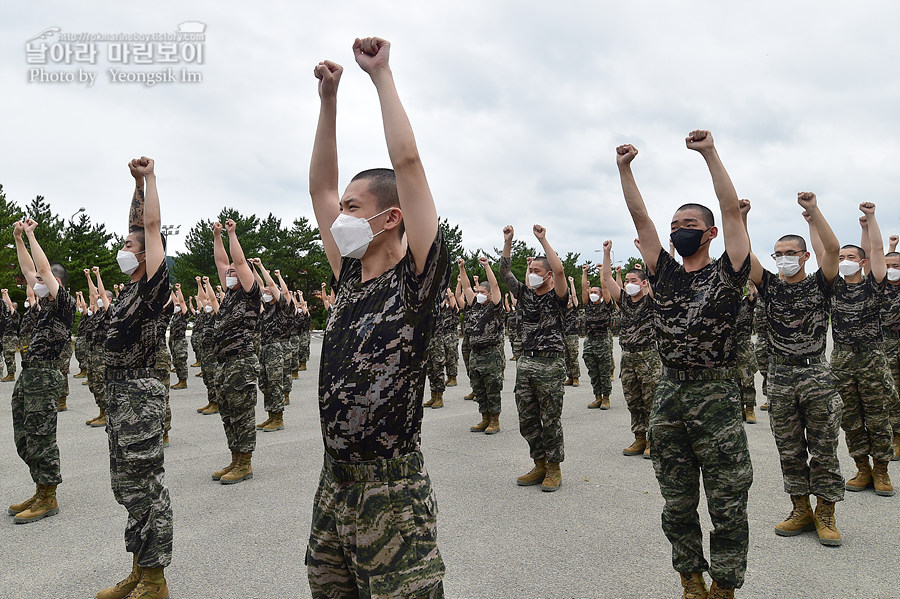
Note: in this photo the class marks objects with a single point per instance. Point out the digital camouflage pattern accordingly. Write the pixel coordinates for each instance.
(96, 378)
(65, 359)
(892, 355)
(761, 343)
(81, 348)
(797, 314)
(890, 310)
(133, 336)
(235, 322)
(867, 388)
(271, 375)
(542, 315)
(640, 372)
(514, 330)
(598, 359)
(26, 327)
(435, 360)
(746, 358)
(539, 399)
(856, 310)
(486, 374)
(162, 366)
(573, 370)
(486, 326)
(34, 402)
(451, 353)
(178, 346)
(10, 345)
(636, 330)
(52, 328)
(235, 392)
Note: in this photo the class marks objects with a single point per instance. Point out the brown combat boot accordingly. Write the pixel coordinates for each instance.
(181, 384)
(302, 366)
(863, 478)
(596, 403)
(124, 587)
(764, 407)
(95, 418)
(242, 470)
(212, 408)
(206, 407)
(694, 585)
(568, 382)
(45, 505)
(264, 422)
(485, 421)
(451, 381)
(647, 455)
(276, 422)
(553, 478)
(8, 378)
(799, 520)
(220, 473)
(165, 439)
(21, 507)
(470, 396)
(825, 524)
(287, 399)
(720, 592)
(61, 406)
(494, 426)
(431, 401)
(639, 445)
(604, 402)
(82, 374)
(750, 415)
(196, 364)
(896, 447)
(199, 374)
(151, 586)
(535, 476)
(575, 382)
(881, 480)
(438, 401)
(100, 421)
(295, 375)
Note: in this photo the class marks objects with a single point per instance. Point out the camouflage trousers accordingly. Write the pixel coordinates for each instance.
(196, 344)
(746, 362)
(208, 370)
(34, 402)
(867, 388)
(374, 532)
(179, 350)
(761, 350)
(486, 374)
(573, 370)
(515, 342)
(696, 427)
(892, 354)
(305, 339)
(10, 344)
(805, 416)
(65, 358)
(271, 376)
(295, 352)
(163, 364)
(434, 364)
(287, 383)
(466, 350)
(97, 375)
(451, 353)
(135, 411)
(597, 356)
(24, 342)
(236, 395)
(81, 352)
(257, 342)
(539, 398)
(640, 372)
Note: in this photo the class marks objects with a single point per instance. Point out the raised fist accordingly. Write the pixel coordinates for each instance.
(744, 205)
(143, 166)
(484, 262)
(607, 245)
(206, 279)
(229, 226)
(18, 229)
(867, 208)
(585, 267)
(699, 140)
(96, 270)
(87, 271)
(540, 232)
(625, 154)
(329, 75)
(864, 221)
(893, 239)
(217, 228)
(371, 53)
(30, 225)
(806, 199)
(460, 263)
(508, 233)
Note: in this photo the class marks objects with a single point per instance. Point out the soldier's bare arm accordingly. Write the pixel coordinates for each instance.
(646, 230)
(823, 240)
(323, 165)
(41, 264)
(615, 290)
(875, 254)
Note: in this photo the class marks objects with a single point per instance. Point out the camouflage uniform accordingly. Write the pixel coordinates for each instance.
(164, 362)
(746, 359)
(135, 416)
(761, 345)
(804, 406)
(641, 367)
(196, 334)
(39, 387)
(373, 530)
(97, 327)
(11, 341)
(695, 424)
(81, 345)
(514, 328)
(434, 364)
(304, 323)
(465, 346)
(272, 355)
(448, 329)
(860, 367)
(890, 324)
(208, 365)
(178, 344)
(570, 330)
(284, 337)
(27, 326)
(597, 353)
(486, 360)
(541, 370)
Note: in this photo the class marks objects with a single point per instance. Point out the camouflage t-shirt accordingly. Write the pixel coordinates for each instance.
(745, 319)
(235, 322)
(597, 318)
(890, 309)
(856, 311)
(759, 318)
(5, 317)
(487, 325)
(636, 330)
(372, 373)
(796, 314)
(178, 326)
(100, 328)
(696, 312)
(133, 336)
(448, 320)
(12, 324)
(28, 320)
(273, 320)
(570, 321)
(162, 324)
(52, 328)
(301, 322)
(542, 315)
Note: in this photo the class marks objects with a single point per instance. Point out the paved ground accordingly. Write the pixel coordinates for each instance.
(598, 536)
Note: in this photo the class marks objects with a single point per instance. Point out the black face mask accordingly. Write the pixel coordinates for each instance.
(687, 241)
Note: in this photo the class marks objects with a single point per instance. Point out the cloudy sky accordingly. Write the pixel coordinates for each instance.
(517, 108)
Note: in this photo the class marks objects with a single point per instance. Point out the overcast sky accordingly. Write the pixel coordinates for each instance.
(517, 109)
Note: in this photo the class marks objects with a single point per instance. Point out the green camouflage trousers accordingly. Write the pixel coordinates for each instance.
(761, 351)
(236, 394)
(573, 370)
(516, 345)
(746, 361)
(208, 369)
(34, 402)
(65, 359)
(892, 354)
(179, 351)
(295, 352)
(196, 344)
(81, 352)
(374, 532)
(598, 357)
(539, 398)
(97, 375)
(163, 365)
(466, 350)
(867, 388)
(805, 416)
(287, 383)
(24, 342)
(304, 347)
(640, 374)
(271, 376)
(451, 353)
(135, 410)
(434, 364)
(486, 375)
(696, 427)
(10, 345)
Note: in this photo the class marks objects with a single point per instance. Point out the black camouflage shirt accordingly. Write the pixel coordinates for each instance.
(12, 324)
(448, 320)
(100, 328)
(52, 328)
(178, 326)
(487, 325)
(759, 318)
(235, 322)
(570, 321)
(372, 372)
(856, 311)
(29, 320)
(132, 339)
(597, 318)
(273, 320)
(636, 329)
(744, 323)
(890, 309)
(301, 322)
(796, 314)
(695, 312)
(542, 315)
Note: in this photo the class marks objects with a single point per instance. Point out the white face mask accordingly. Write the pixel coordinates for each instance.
(353, 235)
(128, 261)
(41, 290)
(207, 309)
(632, 289)
(99, 303)
(90, 312)
(177, 309)
(848, 268)
(231, 282)
(893, 274)
(480, 298)
(535, 280)
(594, 298)
(27, 304)
(80, 311)
(267, 297)
(788, 265)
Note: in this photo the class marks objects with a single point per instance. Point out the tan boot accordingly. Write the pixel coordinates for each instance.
(165, 439)
(124, 587)
(151, 586)
(451, 381)
(212, 408)
(264, 422)
(764, 407)
(896, 447)
(881, 480)
(276, 422)
(647, 455)
(181, 384)
(95, 418)
(431, 401)
(750, 415)
(82, 374)
(596, 403)
(568, 382)
(438, 401)
(470, 396)
(220, 473)
(199, 374)
(639, 445)
(825, 524)
(196, 364)
(863, 478)
(494, 426)
(45, 505)
(694, 585)
(302, 366)
(718, 592)
(206, 407)
(799, 520)
(485, 421)
(21, 507)
(535, 476)
(553, 478)
(295, 375)
(242, 470)
(61, 406)
(604, 402)
(575, 382)
(100, 421)
(8, 378)
(287, 399)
